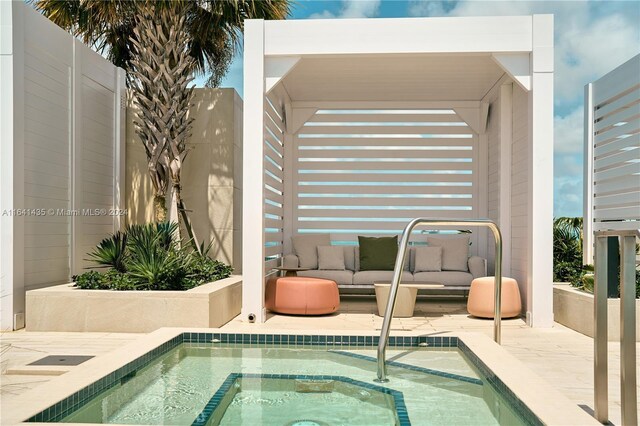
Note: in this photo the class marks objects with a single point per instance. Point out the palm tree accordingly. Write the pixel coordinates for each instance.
(212, 27)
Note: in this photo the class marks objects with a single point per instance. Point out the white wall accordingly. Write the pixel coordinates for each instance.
(520, 196)
(61, 135)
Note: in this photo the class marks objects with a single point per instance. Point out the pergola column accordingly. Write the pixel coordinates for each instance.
(540, 289)
(253, 240)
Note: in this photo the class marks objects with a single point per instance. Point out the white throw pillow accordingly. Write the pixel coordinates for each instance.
(331, 258)
(455, 251)
(428, 259)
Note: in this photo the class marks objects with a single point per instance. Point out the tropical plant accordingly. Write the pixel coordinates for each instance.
(153, 260)
(213, 27)
(163, 44)
(567, 249)
(159, 85)
(111, 252)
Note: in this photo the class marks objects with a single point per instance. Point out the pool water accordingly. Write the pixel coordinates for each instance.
(235, 384)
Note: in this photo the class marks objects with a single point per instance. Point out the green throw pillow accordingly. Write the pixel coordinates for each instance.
(378, 254)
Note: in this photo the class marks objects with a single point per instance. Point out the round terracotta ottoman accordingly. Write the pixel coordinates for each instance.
(481, 302)
(302, 296)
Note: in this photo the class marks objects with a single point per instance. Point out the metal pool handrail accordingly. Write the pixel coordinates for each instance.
(397, 275)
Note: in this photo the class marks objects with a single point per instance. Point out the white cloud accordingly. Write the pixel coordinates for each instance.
(352, 9)
(590, 39)
(568, 132)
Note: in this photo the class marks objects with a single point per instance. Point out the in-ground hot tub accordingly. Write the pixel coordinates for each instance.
(211, 378)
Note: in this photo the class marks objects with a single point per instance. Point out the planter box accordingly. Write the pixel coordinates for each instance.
(66, 308)
(574, 309)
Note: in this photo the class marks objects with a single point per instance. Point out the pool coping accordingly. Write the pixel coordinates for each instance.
(547, 403)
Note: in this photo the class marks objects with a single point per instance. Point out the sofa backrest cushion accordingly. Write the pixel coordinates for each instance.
(455, 251)
(331, 258)
(378, 253)
(305, 246)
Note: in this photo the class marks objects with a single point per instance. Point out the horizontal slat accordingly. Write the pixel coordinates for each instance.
(273, 223)
(381, 201)
(381, 213)
(627, 100)
(384, 118)
(624, 115)
(631, 127)
(273, 236)
(395, 190)
(268, 208)
(271, 117)
(626, 170)
(273, 196)
(618, 213)
(275, 145)
(367, 130)
(270, 251)
(626, 225)
(374, 220)
(381, 165)
(273, 169)
(622, 184)
(399, 144)
(619, 158)
(378, 177)
(274, 183)
(618, 200)
(388, 228)
(276, 132)
(398, 156)
(352, 238)
(617, 145)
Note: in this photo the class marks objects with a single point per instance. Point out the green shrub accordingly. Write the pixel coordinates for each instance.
(146, 257)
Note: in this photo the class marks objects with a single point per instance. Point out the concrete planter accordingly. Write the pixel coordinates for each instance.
(574, 309)
(66, 308)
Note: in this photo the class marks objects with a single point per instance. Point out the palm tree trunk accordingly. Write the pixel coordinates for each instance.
(159, 208)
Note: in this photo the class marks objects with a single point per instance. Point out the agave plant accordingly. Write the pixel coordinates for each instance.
(111, 252)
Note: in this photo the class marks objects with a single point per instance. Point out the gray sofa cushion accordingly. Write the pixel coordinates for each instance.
(428, 259)
(446, 278)
(455, 251)
(306, 248)
(350, 257)
(369, 277)
(478, 266)
(340, 277)
(331, 258)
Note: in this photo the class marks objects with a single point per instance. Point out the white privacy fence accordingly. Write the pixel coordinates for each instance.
(612, 153)
(62, 113)
(274, 142)
(370, 171)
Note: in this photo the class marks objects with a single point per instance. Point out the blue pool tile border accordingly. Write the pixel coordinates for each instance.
(424, 370)
(75, 401)
(216, 399)
(503, 390)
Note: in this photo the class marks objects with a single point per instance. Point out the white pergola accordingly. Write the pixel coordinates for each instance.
(355, 126)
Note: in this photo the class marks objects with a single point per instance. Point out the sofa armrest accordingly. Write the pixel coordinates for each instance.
(290, 261)
(478, 266)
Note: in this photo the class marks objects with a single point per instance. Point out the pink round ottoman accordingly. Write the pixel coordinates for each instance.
(481, 302)
(302, 296)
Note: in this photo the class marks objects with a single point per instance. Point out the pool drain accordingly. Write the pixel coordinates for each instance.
(307, 423)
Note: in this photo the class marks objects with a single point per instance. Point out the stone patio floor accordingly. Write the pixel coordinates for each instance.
(560, 355)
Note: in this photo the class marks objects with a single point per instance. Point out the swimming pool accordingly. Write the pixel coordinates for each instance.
(301, 380)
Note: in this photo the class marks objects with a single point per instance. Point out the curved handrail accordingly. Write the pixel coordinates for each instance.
(397, 275)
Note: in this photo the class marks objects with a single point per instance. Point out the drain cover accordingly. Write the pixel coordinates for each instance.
(307, 423)
(62, 360)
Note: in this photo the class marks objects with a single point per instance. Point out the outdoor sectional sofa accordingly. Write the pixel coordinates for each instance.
(352, 277)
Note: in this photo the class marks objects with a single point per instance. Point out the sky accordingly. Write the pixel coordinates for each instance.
(591, 39)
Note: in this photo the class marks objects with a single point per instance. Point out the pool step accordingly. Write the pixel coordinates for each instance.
(314, 386)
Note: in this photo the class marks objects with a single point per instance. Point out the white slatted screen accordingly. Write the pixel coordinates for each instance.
(369, 172)
(615, 145)
(273, 181)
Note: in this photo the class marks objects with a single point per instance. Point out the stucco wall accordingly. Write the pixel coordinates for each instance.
(211, 174)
